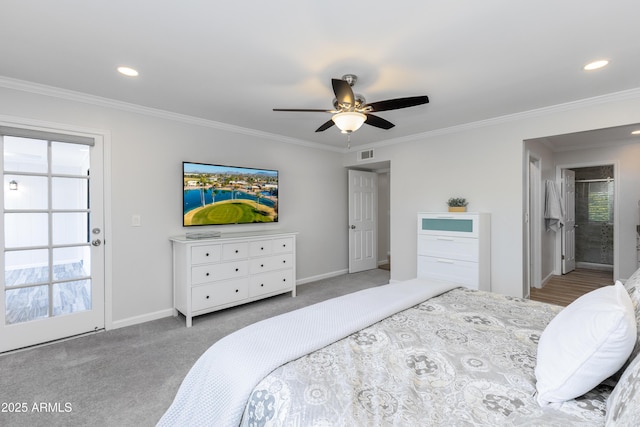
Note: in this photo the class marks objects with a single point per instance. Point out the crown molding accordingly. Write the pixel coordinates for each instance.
(55, 92)
(538, 112)
(40, 89)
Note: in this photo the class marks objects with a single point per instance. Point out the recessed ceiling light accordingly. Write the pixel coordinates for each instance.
(595, 65)
(636, 132)
(128, 71)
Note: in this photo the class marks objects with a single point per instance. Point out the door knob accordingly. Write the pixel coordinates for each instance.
(96, 242)
(353, 227)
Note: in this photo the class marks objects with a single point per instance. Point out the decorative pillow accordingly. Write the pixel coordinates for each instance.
(623, 405)
(584, 344)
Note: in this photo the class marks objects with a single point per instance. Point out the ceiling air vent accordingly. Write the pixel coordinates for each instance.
(365, 155)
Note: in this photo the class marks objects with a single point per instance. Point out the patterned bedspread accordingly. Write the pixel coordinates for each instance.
(464, 358)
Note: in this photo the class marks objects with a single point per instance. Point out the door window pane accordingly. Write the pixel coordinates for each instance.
(31, 192)
(26, 229)
(69, 193)
(71, 297)
(26, 267)
(71, 263)
(70, 228)
(24, 304)
(25, 155)
(69, 159)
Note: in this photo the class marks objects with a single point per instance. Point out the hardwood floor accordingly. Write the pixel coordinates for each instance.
(563, 290)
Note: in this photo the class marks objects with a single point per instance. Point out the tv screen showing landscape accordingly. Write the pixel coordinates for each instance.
(217, 194)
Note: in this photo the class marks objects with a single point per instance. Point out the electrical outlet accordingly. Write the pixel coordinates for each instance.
(135, 221)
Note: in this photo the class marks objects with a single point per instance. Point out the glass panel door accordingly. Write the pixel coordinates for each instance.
(50, 290)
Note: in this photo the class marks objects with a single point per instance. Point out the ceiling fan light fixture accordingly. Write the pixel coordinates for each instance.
(349, 121)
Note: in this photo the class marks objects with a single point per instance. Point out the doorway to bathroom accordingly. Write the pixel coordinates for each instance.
(594, 217)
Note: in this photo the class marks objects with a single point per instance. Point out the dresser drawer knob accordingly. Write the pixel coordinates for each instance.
(236, 291)
(207, 254)
(236, 251)
(261, 265)
(262, 285)
(207, 274)
(207, 297)
(284, 261)
(261, 248)
(237, 269)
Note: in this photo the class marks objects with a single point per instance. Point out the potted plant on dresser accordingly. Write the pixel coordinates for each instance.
(457, 204)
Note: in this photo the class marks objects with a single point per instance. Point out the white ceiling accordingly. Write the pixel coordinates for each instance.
(232, 62)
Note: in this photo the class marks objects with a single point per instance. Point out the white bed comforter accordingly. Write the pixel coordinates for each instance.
(216, 389)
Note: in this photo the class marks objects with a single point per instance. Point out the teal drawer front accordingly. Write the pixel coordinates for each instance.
(448, 224)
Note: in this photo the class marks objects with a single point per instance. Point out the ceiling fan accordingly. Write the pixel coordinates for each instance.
(351, 110)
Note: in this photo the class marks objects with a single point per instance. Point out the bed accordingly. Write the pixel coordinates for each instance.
(424, 353)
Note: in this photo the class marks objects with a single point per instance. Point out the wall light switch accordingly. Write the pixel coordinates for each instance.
(135, 221)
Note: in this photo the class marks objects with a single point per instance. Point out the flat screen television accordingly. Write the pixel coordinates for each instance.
(218, 195)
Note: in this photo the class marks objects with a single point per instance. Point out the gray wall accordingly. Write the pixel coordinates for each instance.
(146, 154)
(480, 161)
(484, 163)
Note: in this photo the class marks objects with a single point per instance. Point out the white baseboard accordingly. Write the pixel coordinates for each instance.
(545, 280)
(321, 276)
(169, 311)
(130, 321)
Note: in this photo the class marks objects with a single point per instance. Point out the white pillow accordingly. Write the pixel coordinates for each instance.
(584, 344)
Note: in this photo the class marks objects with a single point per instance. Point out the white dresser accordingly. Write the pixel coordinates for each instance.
(235, 268)
(455, 247)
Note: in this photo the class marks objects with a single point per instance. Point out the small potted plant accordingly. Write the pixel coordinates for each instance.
(457, 204)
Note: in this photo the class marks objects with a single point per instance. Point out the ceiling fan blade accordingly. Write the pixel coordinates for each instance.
(378, 122)
(304, 110)
(326, 125)
(343, 92)
(395, 104)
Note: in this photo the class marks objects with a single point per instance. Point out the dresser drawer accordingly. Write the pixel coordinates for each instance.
(203, 254)
(460, 248)
(222, 271)
(207, 296)
(463, 272)
(276, 262)
(282, 245)
(260, 248)
(270, 282)
(231, 251)
(462, 225)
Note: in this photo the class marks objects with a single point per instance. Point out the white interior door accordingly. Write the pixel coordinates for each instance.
(363, 222)
(569, 230)
(52, 253)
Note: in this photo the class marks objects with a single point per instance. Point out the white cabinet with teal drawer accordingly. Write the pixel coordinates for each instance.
(455, 247)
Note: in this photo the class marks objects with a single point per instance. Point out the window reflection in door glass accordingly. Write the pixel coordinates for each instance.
(25, 155)
(69, 159)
